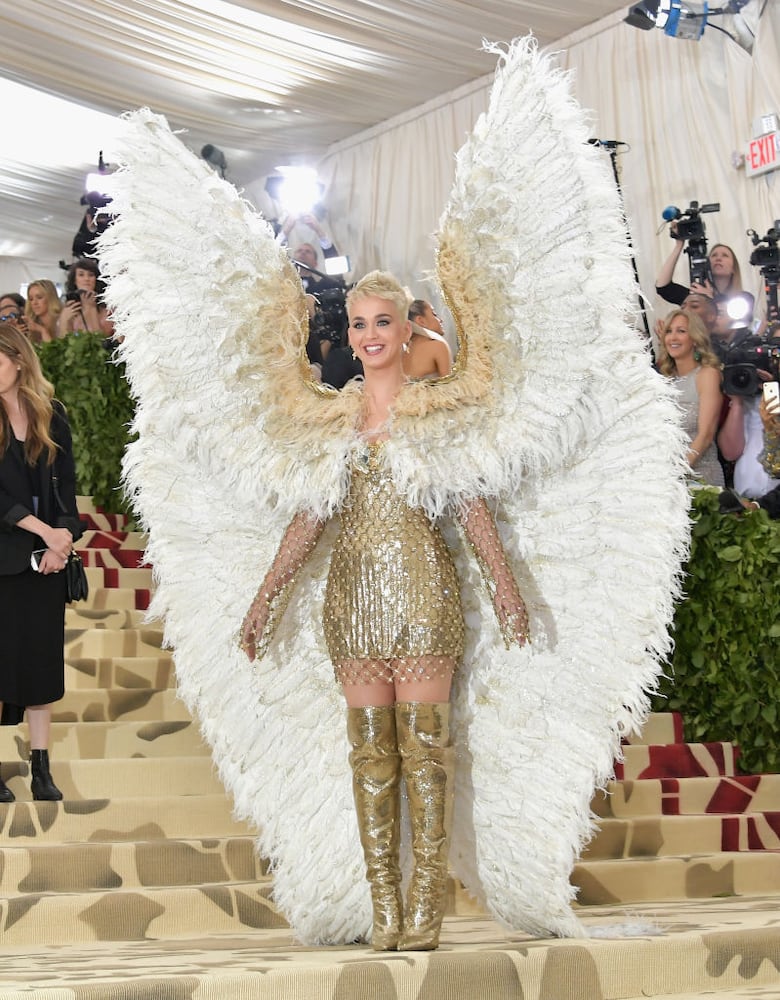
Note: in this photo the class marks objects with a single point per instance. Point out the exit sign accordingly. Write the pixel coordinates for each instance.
(763, 154)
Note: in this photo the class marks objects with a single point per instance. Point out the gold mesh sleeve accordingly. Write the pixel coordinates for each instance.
(273, 595)
(480, 529)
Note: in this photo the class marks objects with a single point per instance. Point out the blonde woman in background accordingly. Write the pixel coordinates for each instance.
(42, 310)
(685, 355)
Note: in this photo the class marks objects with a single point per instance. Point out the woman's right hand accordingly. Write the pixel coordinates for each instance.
(67, 317)
(59, 541)
(255, 621)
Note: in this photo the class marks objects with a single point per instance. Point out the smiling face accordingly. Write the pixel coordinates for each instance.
(677, 339)
(377, 333)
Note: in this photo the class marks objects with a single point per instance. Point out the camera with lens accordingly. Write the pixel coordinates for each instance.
(690, 227)
(742, 364)
(330, 317)
(766, 257)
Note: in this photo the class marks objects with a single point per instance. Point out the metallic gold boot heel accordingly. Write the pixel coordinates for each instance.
(376, 776)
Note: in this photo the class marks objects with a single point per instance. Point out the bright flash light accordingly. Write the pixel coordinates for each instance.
(299, 190)
(102, 183)
(738, 307)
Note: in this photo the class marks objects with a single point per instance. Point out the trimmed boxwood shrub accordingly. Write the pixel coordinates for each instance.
(725, 671)
(95, 393)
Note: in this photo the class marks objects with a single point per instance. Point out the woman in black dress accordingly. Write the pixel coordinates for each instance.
(38, 521)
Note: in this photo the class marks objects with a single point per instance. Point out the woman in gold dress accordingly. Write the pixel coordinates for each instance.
(394, 630)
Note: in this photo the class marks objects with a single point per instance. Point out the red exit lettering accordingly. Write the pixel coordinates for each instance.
(762, 152)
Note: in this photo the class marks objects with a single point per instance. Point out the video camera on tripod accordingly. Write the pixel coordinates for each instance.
(690, 227)
(750, 354)
(766, 257)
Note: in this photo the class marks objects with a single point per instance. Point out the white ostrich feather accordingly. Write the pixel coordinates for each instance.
(554, 413)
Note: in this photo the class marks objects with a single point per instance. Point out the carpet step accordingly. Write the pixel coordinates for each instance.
(709, 951)
(121, 915)
(678, 760)
(136, 777)
(660, 728)
(113, 558)
(663, 836)
(120, 672)
(706, 876)
(689, 796)
(96, 518)
(125, 865)
(117, 597)
(120, 705)
(154, 819)
(101, 642)
(82, 616)
(94, 539)
(133, 578)
(74, 740)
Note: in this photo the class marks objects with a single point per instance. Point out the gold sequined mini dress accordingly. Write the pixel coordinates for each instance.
(392, 600)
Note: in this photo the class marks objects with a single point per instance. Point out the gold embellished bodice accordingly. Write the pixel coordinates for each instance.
(392, 590)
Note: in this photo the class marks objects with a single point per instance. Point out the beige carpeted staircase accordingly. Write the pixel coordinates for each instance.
(141, 884)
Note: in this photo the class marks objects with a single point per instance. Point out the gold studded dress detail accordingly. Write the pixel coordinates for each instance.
(392, 602)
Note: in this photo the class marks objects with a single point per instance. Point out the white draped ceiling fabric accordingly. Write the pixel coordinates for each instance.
(383, 92)
(682, 108)
(264, 80)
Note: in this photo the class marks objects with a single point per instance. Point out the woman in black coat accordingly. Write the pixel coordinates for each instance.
(38, 523)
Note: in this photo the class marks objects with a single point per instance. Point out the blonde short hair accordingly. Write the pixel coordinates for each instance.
(381, 285)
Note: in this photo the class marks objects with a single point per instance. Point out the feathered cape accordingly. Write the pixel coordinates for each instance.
(553, 412)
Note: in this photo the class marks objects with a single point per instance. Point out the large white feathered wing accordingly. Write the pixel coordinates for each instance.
(560, 417)
(231, 442)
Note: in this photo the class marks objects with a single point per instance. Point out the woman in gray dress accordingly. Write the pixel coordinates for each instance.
(686, 356)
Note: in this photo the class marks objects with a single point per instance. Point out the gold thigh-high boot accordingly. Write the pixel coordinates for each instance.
(427, 764)
(376, 776)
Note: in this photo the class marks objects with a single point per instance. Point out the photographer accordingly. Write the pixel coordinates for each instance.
(730, 501)
(723, 268)
(741, 440)
(326, 297)
(83, 311)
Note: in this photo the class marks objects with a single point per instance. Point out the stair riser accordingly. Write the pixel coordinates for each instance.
(27, 822)
(147, 864)
(677, 835)
(138, 777)
(80, 741)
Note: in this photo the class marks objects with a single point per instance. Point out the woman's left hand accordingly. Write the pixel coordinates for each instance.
(512, 614)
(51, 563)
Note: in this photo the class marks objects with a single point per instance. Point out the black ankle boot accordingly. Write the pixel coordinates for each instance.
(42, 785)
(6, 795)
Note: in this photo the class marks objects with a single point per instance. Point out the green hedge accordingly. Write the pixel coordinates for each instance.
(725, 676)
(96, 395)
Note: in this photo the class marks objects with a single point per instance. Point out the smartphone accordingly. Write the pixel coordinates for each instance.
(73, 296)
(771, 392)
(35, 559)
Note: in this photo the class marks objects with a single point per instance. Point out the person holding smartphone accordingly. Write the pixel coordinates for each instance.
(38, 524)
(83, 311)
(769, 410)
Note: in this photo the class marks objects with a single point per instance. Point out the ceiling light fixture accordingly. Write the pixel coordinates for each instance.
(680, 18)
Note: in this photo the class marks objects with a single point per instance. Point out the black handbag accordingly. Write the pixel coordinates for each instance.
(76, 583)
